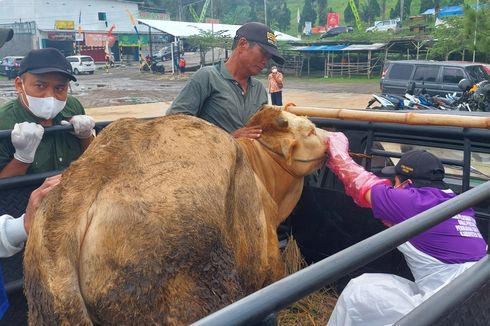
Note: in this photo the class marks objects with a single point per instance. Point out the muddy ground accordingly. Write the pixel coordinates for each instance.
(114, 92)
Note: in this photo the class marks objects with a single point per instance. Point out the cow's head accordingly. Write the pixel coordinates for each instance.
(295, 139)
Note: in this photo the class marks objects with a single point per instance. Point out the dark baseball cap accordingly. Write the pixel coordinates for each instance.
(46, 60)
(420, 166)
(6, 35)
(263, 36)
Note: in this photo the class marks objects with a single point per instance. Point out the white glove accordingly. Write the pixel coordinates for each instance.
(26, 137)
(82, 125)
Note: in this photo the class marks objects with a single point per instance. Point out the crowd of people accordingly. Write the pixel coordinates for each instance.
(227, 95)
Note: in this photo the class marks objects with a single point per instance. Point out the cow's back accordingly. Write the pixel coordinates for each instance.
(153, 216)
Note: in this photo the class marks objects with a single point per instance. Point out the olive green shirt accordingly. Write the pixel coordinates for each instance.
(56, 150)
(213, 95)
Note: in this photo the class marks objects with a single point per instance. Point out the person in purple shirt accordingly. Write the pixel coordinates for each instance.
(435, 257)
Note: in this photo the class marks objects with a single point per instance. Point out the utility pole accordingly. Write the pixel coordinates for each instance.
(401, 11)
(180, 10)
(476, 27)
(265, 12)
(212, 31)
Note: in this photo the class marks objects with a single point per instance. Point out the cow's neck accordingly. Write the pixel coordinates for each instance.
(284, 187)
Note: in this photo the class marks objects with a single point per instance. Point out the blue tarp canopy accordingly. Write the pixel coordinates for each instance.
(322, 48)
(446, 11)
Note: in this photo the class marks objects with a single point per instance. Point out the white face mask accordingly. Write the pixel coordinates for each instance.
(44, 107)
(274, 70)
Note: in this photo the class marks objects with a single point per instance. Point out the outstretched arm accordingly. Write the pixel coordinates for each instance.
(357, 181)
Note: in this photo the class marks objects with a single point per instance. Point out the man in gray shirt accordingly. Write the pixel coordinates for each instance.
(227, 95)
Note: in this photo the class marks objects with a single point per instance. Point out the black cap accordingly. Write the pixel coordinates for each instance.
(6, 35)
(262, 35)
(420, 166)
(46, 60)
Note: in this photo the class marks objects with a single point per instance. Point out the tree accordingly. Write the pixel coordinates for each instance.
(282, 17)
(479, 21)
(426, 4)
(370, 11)
(395, 12)
(449, 38)
(322, 12)
(205, 40)
(349, 15)
(308, 14)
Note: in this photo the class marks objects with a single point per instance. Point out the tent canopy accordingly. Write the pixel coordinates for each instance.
(186, 29)
(446, 11)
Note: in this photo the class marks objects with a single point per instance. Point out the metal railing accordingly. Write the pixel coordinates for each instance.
(284, 292)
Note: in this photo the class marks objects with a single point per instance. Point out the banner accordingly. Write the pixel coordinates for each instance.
(99, 39)
(64, 24)
(307, 29)
(332, 20)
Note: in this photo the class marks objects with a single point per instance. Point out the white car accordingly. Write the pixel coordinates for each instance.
(81, 64)
(391, 25)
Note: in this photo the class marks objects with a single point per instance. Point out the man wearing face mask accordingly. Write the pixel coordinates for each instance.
(43, 101)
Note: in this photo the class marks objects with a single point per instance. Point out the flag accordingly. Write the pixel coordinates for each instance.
(298, 17)
(133, 22)
(109, 33)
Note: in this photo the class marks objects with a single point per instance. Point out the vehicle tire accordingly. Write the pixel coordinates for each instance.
(390, 30)
(76, 72)
(91, 72)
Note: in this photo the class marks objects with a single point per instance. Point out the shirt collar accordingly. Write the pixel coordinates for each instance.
(226, 74)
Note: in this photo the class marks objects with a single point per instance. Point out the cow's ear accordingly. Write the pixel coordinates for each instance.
(281, 122)
(287, 149)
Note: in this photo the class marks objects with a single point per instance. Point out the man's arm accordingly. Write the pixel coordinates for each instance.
(356, 180)
(14, 231)
(190, 99)
(14, 168)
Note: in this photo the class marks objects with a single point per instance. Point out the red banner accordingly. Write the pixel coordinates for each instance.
(332, 20)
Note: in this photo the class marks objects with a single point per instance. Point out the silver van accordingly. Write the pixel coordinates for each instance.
(436, 77)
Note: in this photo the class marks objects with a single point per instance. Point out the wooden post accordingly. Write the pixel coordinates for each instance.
(348, 62)
(308, 65)
(324, 65)
(369, 65)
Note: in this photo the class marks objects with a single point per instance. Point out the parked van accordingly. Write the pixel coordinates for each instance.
(81, 64)
(436, 77)
(391, 25)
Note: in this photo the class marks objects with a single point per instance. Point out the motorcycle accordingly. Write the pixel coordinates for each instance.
(153, 65)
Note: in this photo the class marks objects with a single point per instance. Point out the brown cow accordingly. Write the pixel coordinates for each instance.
(166, 221)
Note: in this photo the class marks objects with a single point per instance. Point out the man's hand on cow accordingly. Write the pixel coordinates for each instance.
(83, 125)
(25, 138)
(36, 198)
(253, 132)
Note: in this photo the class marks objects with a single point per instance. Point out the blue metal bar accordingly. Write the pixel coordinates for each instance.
(283, 293)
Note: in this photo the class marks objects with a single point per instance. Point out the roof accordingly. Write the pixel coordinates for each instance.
(446, 11)
(439, 63)
(340, 47)
(186, 29)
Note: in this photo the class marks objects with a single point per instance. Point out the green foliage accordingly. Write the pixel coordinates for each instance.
(322, 12)
(479, 21)
(348, 14)
(449, 38)
(426, 4)
(395, 12)
(370, 11)
(308, 14)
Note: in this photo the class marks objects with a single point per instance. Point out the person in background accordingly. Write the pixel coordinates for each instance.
(227, 95)
(43, 101)
(14, 231)
(182, 65)
(435, 257)
(275, 86)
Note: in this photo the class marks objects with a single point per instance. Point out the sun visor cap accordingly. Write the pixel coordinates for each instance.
(45, 61)
(263, 36)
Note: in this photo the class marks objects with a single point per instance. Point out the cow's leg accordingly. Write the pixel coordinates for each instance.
(51, 279)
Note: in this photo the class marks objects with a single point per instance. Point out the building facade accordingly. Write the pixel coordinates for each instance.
(91, 27)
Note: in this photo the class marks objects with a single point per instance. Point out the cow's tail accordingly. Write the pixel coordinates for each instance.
(51, 281)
